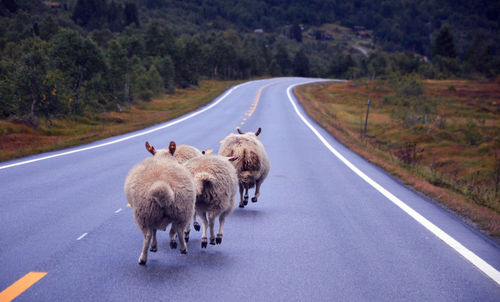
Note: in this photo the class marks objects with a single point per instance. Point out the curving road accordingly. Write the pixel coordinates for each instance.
(328, 227)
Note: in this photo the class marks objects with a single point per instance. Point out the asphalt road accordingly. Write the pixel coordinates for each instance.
(321, 231)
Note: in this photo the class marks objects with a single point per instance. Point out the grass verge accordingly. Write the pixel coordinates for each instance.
(440, 137)
(18, 140)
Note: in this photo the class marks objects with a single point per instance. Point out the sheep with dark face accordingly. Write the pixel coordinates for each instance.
(215, 180)
(253, 164)
(161, 192)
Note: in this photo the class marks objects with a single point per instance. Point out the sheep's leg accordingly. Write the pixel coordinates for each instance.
(187, 230)
(147, 239)
(154, 243)
(222, 219)
(195, 223)
(242, 204)
(245, 198)
(257, 190)
(182, 242)
(204, 223)
(173, 243)
(211, 224)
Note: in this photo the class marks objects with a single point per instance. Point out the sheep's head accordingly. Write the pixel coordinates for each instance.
(256, 133)
(150, 148)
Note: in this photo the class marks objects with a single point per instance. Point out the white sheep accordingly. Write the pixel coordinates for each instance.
(182, 154)
(161, 191)
(216, 181)
(253, 164)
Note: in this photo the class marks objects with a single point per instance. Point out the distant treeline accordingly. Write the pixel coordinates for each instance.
(73, 58)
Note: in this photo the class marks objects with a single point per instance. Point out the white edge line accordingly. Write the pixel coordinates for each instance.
(130, 136)
(81, 237)
(482, 265)
(118, 211)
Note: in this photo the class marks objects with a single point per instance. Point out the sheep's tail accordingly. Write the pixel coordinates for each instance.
(160, 193)
(202, 180)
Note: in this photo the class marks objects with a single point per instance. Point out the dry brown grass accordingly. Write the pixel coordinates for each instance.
(17, 140)
(448, 168)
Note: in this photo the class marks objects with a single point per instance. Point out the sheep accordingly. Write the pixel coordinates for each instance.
(161, 191)
(253, 165)
(216, 181)
(182, 154)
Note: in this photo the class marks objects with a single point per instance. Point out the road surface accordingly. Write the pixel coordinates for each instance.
(328, 226)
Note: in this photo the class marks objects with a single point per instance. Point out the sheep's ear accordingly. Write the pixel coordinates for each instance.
(150, 148)
(258, 132)
(233, 158)
(239, 131)
(171, 148)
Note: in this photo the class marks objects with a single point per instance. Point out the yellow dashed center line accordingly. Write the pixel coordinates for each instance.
(11, 292)
(254, 104)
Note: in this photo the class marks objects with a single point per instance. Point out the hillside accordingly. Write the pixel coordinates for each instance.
(62, 59)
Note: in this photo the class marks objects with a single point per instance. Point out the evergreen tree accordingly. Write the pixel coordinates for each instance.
(296, 33)
(301, 64)
(90, 13)
(117, 72)
(48, 28)
(283, 60)
(165, 67)
(131, 14)
(443, 44)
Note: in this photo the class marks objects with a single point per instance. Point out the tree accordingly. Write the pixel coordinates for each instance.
(115, 16)
(36, 86)
(296, 32)
(165, 67)
(117, 72)
(283, 59)
(48, 28)
(443, 44)
(479, 57)
(340, 65)
(131, 14)
(301, 64)
(90, 13)
(78, 59)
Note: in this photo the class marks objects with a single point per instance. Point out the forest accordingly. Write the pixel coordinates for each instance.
(63, 59)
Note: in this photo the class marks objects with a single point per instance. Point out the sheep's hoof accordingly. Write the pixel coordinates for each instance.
(184, 251)
(196, 226)
(153, 249)
(218, 240)
(203, 242)
(173, 245)
(254, 199)
(212, 241)
(241, 205)
(142, 262)
(186, 239)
